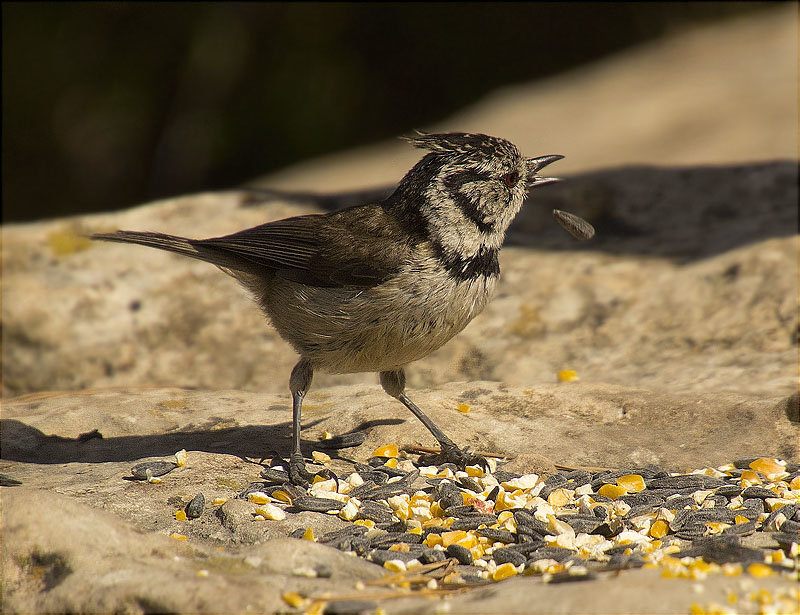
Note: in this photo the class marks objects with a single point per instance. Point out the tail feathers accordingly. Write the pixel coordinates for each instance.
(172, 243)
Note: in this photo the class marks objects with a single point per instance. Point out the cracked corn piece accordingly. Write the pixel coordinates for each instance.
(612, 491)
(389, 450)
(631, 483)
(271, 512)
(504, 571)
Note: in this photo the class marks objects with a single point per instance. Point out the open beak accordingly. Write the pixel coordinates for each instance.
(537, 164)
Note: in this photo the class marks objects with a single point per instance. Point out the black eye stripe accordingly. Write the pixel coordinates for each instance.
(469, 208)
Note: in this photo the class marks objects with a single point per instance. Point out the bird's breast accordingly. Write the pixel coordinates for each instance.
(380, 328)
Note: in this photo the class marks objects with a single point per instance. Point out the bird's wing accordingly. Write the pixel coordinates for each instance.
(358, 247)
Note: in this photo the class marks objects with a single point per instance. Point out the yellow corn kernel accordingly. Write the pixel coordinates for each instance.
(751, 476)
(500, 503)
(659, 529)
(295, 600)
(391, 463)
(365, 522)
(504, 571)
(395, 565)
(436, 510)
(181, 457)
(309, 535)
(433, 539)
(505, 516)
(320, 457)
(271, 512)
(390, 450)
(400, 546)
(740, 519)
(449, 538)
(256, 497)
(218, 501)
(777, 557)
(716, 527)
(567, 375)
(474, 471)
(795, 483)
(177, 536)
(463, 408)
(559, 497)
(767, 466)
(759, 570)
(731, 570)
(469, 541)
(611, 491)
(631, 482)
(180, 515)
(415, 530)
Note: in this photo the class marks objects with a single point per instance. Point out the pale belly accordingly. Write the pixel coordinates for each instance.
(378, 329)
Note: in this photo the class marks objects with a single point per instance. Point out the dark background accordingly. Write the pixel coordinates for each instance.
(106, 105)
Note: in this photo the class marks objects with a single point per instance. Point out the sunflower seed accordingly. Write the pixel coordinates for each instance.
(462, 554)
(155, 468)
(575, 225)
(195, 508)
(306, 502)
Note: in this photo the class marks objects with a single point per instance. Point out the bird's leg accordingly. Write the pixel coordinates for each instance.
(394, 383)
(299, 382)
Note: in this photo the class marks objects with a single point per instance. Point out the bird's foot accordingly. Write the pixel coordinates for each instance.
(301, 477)
(450, 453)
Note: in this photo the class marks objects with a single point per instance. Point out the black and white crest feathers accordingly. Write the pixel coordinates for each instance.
(466, 145)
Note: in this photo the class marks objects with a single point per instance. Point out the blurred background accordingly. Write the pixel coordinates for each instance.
(107, 105)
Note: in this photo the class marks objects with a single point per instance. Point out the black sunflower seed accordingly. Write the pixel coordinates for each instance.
(381, 556)
(558, 554)
(506, 555)
(195, 508)
(449, 495)
(496, 535)
(375, 511)
(473, 522)
(430, 556)
(462, 554)
(306, 502)
(349, 531)
(721, 550)
(157, 468)
(730, 491)
(741, 529)
(758, 492)
(610, 528)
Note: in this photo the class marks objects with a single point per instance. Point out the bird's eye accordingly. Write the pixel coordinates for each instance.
(511, 179)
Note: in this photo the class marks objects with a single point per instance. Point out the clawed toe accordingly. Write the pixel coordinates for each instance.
(450, 453)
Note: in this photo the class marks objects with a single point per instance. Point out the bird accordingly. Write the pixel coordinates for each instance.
(374, 287)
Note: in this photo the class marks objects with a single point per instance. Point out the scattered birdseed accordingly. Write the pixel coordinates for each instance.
(442, 524)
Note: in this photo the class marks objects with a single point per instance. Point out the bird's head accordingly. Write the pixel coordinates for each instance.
(473, 184)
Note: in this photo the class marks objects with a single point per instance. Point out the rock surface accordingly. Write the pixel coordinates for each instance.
(79, 535)
(680, 317)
